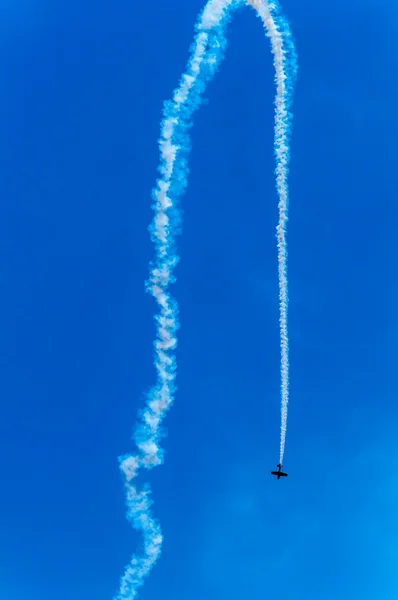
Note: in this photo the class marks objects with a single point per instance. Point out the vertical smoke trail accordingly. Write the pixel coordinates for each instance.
(207, 52)
(277, 29)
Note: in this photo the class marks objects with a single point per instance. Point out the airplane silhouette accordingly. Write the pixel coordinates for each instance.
(279, 473)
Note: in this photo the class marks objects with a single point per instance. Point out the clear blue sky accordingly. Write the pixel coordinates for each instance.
(82, 92)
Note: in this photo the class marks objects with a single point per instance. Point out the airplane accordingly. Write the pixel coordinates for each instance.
(279, 473)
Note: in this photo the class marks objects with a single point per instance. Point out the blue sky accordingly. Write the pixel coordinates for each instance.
(83, 87)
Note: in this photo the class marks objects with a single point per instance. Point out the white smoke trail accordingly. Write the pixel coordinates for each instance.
(285, 65)
(206, 55)
(207, 52)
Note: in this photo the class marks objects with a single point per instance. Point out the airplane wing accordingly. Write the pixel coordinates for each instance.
(283, 474)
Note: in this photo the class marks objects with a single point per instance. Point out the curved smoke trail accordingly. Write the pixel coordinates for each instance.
(206, 54)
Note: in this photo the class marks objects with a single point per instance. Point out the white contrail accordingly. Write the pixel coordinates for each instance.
(207, 53)
(285, 65)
